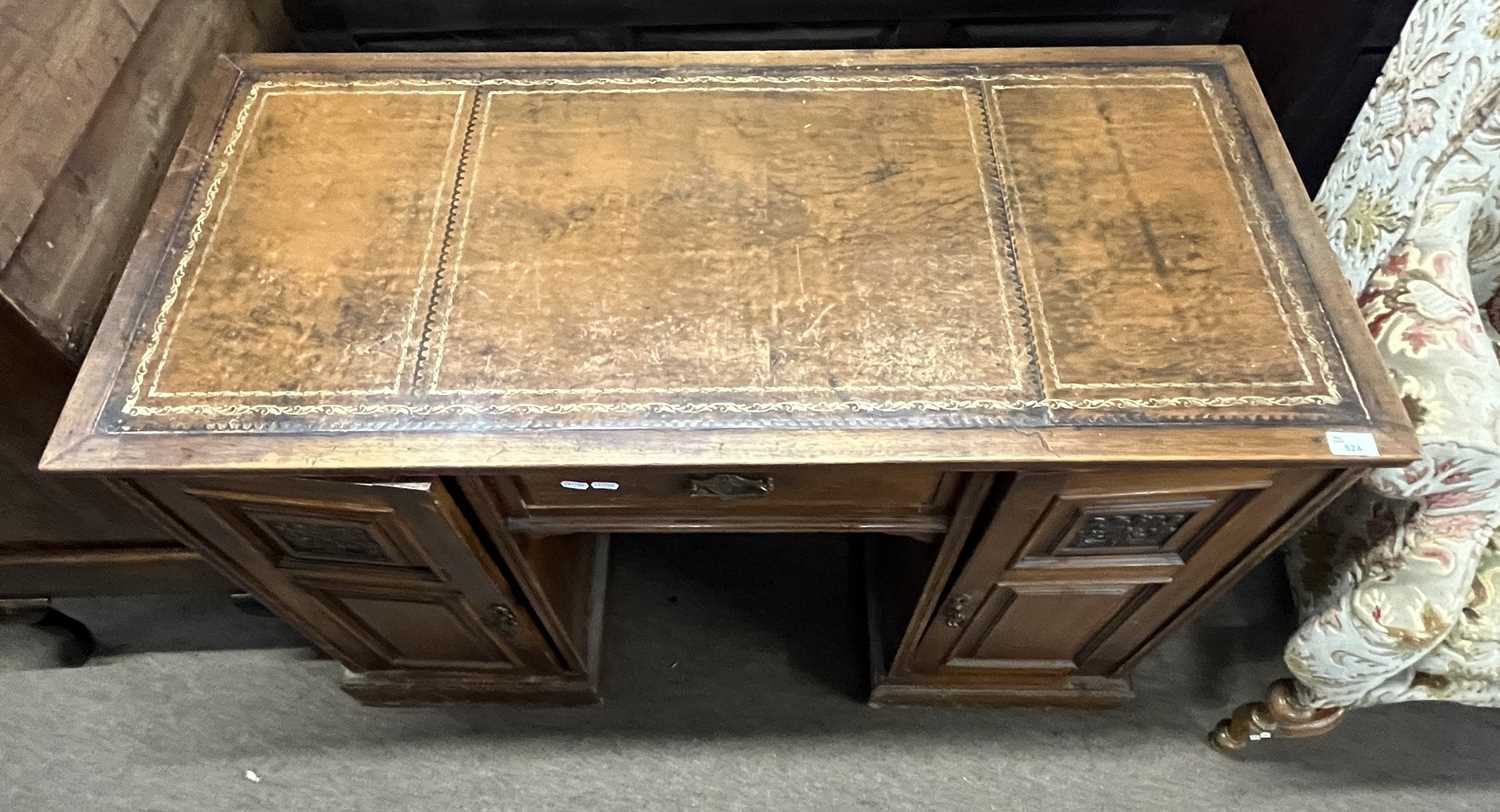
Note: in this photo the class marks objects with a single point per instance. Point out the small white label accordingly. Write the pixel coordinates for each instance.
(574, 485)
(1352, 444)
(605, 486)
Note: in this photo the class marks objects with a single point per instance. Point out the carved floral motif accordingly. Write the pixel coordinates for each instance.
(345, 542)
(1106, 530)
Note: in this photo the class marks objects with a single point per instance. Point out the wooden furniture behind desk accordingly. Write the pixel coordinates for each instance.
(1315, 61)
(96, 96)
(407, 336)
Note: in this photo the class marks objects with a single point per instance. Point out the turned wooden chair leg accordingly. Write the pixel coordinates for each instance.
(77, 644)
(1281, 715)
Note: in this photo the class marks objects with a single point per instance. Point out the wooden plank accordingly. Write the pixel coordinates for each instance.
(65, 56)
(67, 262)
(126, 569)
(975, 449)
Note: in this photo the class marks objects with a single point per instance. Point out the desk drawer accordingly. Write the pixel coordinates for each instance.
(847, 490)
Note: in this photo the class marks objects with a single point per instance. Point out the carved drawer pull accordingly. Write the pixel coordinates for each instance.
(503, 619)
(730, 486)
(957, 612)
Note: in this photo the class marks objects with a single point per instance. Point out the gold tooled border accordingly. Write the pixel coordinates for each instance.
(133, 406)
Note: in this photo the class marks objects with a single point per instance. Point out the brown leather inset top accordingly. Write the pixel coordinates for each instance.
(725, 245)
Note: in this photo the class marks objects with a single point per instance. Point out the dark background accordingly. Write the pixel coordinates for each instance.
(1316, 59)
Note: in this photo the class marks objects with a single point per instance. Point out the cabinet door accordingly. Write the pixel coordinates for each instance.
(1077, 573)
(383, 575)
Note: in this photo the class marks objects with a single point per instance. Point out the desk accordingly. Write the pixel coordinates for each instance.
(406, 337)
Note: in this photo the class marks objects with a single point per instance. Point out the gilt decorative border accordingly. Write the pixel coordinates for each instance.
(414, 395)
(1009, 289)
(185, 277)
(1205, 99)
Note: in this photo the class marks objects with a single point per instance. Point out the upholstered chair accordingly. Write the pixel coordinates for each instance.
(1398, 582)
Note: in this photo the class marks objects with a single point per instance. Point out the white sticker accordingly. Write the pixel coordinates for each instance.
(1352, 443)
(605, 486)
(574, 485)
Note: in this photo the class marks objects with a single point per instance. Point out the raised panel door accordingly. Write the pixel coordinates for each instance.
(385, 575)
(1076, 572)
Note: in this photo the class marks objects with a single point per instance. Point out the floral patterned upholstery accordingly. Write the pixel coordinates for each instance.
(1397, 581)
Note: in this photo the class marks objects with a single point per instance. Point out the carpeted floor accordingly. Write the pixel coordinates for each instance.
(734, 676)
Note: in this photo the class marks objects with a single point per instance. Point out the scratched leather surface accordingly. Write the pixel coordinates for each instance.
(929, 247)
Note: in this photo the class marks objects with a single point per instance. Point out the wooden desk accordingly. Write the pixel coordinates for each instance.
(407, 336)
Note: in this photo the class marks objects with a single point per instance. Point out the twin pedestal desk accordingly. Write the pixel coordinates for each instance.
(406, 338)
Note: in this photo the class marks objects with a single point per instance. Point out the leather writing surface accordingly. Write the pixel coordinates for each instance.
(925, 246)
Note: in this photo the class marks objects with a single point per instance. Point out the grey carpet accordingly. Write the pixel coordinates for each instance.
(733, 673)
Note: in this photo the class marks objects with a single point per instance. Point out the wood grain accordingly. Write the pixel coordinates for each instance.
(64, 267)
(66, 56)
(98, 94)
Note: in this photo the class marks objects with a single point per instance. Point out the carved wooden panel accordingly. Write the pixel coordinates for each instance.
(1112, 530)
(1103, 525)
(331, 540)
(1094, 524)
(312, 533)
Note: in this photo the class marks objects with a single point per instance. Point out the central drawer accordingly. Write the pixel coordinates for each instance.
(909, 500)
(861, 490)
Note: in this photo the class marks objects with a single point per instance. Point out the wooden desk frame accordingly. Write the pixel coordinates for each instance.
(1049, 551)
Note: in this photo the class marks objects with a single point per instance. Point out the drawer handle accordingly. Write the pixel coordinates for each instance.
(731, 486)
(957, 613)
(503, 619)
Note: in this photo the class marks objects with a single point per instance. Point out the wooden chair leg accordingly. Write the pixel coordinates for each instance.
(76, 642)
(1281, 714)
